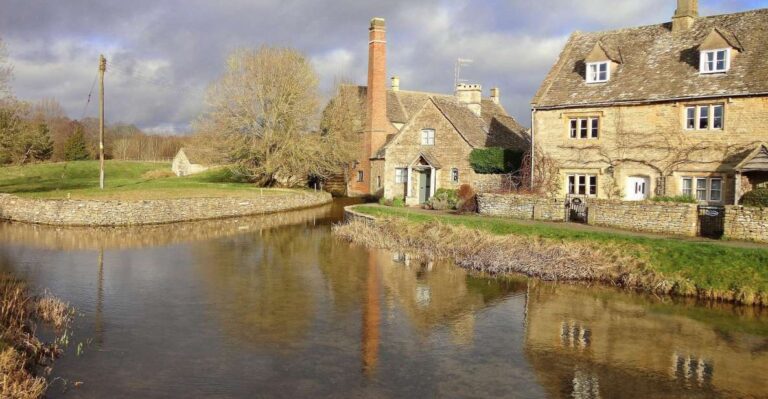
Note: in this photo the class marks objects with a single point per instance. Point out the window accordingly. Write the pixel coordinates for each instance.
(715, 61)
(704, 117)
(359, 175)
(703, 188)
(455, 175)
(428, 137)
(401, 174)
(378, 181)
(582, 184)
(585, 128)
(598, 72)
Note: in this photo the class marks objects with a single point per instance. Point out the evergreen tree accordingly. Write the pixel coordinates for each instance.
(38, 143)
(76, 148)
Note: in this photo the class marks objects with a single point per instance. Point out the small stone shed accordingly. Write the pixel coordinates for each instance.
(188, 162)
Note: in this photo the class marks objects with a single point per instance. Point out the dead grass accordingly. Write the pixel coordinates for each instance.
(534, 256)
(23, 354)
(157, 174)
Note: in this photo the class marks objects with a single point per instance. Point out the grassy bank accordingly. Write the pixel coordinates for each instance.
(125, 180)
(679, 266)
(22, 355)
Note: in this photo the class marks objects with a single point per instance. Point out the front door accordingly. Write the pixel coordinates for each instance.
(425, 181)
(636, 189)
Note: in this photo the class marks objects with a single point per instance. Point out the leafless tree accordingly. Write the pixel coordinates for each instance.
(6, 72)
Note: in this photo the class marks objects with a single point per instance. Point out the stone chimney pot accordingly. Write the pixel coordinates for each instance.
(395, 83)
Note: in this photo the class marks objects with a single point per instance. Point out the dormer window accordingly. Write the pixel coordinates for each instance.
(715, 61)
(598, 72)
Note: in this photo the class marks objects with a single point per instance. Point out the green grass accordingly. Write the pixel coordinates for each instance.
(709, 265)
(124, 180)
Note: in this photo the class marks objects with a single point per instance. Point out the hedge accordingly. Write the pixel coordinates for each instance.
(495, 160)
(756, 197)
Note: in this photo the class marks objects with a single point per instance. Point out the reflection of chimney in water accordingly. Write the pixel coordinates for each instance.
(371, 318)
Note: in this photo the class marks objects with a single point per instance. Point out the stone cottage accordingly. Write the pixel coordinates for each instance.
(417, 142)
(183, 165)
(678, 108)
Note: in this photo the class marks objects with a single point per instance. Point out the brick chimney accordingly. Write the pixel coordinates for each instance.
(471, 95)
(376, 102)
(685, 15)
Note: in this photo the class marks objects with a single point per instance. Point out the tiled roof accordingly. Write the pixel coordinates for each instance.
(657, 64)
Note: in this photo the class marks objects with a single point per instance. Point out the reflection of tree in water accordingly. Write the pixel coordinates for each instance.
(260, 283)
(345, 270)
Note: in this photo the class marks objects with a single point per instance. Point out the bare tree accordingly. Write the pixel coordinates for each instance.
(261, 110)
(6, 72)
(342, 126)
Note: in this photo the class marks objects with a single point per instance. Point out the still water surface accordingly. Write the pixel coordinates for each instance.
(275, 306)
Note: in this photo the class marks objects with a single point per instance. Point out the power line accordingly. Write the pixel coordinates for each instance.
(88, 101)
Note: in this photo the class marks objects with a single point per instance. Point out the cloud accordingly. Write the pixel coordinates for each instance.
(164, 54)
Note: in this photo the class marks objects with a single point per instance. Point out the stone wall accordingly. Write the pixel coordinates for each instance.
(521, 207)
(746, 223)
(653, 217)
(489, 183)
(125, 213)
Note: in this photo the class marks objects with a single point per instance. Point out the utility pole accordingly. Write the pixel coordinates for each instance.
(102, 69)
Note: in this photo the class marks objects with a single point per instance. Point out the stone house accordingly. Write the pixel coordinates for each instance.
(417, 142)
(183, 165)
(678, 108)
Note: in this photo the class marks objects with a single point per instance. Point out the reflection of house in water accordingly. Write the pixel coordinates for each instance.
(600, 343)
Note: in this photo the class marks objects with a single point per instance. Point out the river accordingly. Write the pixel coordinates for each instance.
(275, 306)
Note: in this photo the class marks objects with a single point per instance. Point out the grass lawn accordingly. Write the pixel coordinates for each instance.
(709, 265)
(124, 180)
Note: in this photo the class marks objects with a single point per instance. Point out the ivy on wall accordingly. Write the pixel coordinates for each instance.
(495, 160)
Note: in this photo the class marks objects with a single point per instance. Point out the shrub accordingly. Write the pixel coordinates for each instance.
(682, 199)
(76, 148)
(756, 197)
(467, 199)
(444, 199)
(495, 160)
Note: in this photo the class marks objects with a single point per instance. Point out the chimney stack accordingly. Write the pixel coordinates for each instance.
(685, 15)
(495, 95)
(395, 83)
(471, 95)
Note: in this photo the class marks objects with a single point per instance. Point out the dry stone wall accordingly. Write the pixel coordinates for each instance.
(132, 213)
(521, 207)
(746, 223)
(653, 217)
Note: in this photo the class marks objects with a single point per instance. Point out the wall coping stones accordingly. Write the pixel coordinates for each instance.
(64, 212)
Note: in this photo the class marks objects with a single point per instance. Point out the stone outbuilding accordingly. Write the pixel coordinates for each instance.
(184, 163)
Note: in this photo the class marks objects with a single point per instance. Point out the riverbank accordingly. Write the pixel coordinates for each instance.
(23, 356)
(496, 245)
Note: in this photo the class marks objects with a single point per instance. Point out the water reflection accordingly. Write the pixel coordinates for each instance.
(291, 312)
(592, 343)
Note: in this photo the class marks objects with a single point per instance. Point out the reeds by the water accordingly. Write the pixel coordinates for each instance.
(22, 354)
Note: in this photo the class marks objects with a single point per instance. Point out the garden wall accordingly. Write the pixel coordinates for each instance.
(521, 207)
(746, 223)
(132, 213)
(653, 217)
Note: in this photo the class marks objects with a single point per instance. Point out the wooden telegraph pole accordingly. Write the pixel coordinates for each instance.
(102, 69)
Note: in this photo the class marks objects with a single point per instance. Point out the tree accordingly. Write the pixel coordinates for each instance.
(342, 125)
(76, 148)
(261, 113)
(36, 143)
(12, 126)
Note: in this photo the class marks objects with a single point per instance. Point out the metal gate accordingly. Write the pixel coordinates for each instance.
(711, 221)
(576, 209)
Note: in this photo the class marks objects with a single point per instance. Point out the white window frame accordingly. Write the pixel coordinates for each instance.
(427, 136)
(592, 131)
(694, 188)
(704, 61)
(401, 175)
(594, 76)
(455, 175)
(589, 182)
(710, 116)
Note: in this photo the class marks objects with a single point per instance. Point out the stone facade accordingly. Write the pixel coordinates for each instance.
(653, 217)
(525, 207)
(649, 141)
(746, 223)
(125, 213)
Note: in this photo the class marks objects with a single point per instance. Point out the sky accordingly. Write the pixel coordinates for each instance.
(163, 54)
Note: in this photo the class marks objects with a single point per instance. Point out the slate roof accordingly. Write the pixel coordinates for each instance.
(658, 64)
